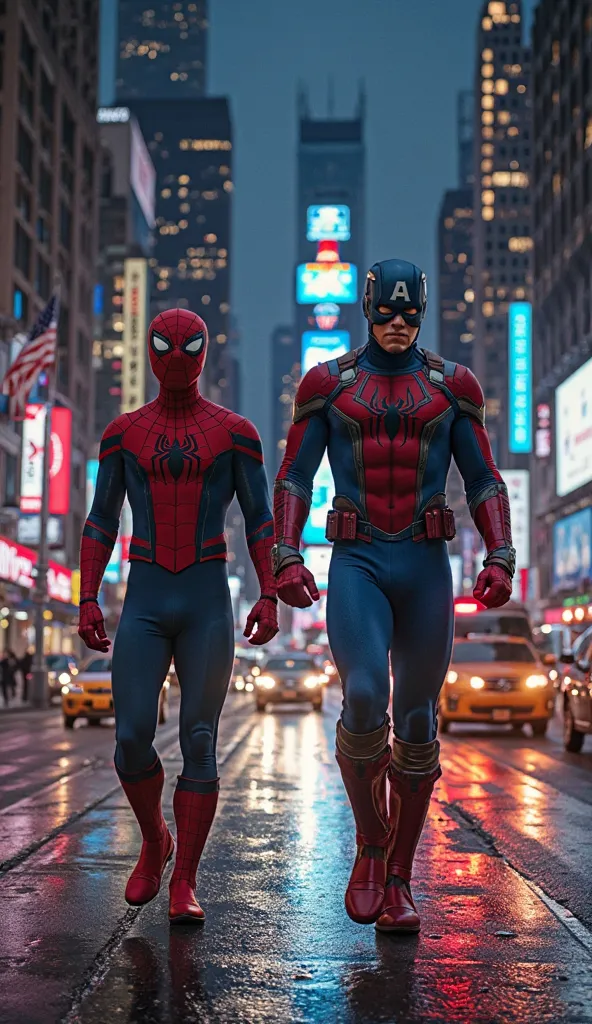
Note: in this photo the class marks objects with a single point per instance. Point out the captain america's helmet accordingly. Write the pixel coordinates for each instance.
(398, 285)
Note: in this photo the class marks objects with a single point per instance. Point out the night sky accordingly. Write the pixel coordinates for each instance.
(414, 56)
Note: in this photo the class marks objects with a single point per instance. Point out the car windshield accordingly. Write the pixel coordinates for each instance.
(98, 665)
(474, 651)
(284, 664)
(58, 662)
(496, 625)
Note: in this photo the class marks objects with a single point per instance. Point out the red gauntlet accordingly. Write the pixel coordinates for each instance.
(291, 506)
(491, 514)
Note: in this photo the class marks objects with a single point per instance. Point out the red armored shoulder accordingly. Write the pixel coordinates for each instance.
(468, 392)
(313, 391)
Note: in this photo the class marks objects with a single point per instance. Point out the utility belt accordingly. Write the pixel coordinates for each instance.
(435, 524)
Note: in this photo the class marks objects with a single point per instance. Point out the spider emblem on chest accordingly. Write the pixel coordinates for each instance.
(180, 458)
(394, 415)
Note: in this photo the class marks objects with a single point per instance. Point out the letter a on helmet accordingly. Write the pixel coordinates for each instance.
(400, 291)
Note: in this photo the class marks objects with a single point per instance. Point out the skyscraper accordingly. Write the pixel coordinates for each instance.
(49, 144)
(190, 142)
(562, 350)
(161, 50)
(502, 236)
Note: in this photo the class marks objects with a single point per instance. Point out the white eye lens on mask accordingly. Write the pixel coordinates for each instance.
(195, 345)
(160, 344)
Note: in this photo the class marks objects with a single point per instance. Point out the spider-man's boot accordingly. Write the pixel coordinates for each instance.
(194, 814)
(144, 792)
(413, 772)
(364, 760)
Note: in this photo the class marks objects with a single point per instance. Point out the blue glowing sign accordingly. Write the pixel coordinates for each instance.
(326, 282)
(328, 223)
(572, 548)
(320, 346)
(520, 377)
(98, 299)
(323, 492)
(113, 568)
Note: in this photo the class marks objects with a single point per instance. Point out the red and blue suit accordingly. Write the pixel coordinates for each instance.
(391, 423)
(180, 459)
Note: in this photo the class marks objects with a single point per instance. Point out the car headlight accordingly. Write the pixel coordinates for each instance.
(323, 679)
(477, 682)
(267, 682)
(239, 683)
(553, 675)
(452, 676)
(74, 670)
(311, 681)
(330, 670)
(535, 681)
(249, 687)
(72, 688)
(255, 671)
(64, 678)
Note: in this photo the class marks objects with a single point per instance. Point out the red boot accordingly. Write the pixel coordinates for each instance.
(194, 814)
(364, 760)
(413, 773)
(157, 842)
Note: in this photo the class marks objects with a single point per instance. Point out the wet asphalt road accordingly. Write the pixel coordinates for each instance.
(503, 882)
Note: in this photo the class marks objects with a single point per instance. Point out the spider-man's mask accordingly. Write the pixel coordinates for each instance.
(177, 343)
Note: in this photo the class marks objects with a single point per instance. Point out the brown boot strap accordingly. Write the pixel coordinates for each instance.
(363, 746)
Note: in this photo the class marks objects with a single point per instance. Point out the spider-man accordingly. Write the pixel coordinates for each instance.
(391, 415)
(181, 459)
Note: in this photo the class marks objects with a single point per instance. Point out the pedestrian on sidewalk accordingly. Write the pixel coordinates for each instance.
(392, 416)
(26, 665)
(8, 667)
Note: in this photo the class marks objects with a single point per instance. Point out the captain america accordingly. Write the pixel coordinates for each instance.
(391, 416)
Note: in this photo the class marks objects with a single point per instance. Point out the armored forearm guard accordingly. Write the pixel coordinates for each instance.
(490, 510)
(95, 552)
(291, 505)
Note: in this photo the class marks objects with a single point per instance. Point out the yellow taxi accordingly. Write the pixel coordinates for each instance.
(499, 680)
(89, 696)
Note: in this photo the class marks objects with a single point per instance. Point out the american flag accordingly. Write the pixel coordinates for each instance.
(37, 354)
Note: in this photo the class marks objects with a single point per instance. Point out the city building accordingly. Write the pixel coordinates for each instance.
(502, 242)
(562, 224)
(331, 262)
(190, 142)
(161, 50)
(126, 220)
(48, 165)
(49, 146)
(285, 375)
(456, 323)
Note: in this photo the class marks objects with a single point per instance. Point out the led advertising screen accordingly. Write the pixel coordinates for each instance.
(59, 464)
(142, 174)
(316, 560)
(520, 377)
(326, 282)
(135, 309)
(573, 430)
(328, 223)
(320, 346)
(323, 492)
(572, 547)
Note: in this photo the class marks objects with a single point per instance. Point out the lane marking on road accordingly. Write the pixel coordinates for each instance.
(101, 963)
(565, 917)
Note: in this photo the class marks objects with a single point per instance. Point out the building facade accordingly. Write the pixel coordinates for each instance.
(161, 50)
(49, 146)
(126, 206)
(562, 196)
(190, 143)
(503, 242)
(285, 362)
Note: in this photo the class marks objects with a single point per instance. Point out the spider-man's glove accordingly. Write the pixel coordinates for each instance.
(264, 616)
(91, 626)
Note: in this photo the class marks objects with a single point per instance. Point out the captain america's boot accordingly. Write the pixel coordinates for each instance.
(413, 772)
(364, 760)
(144, 792)
(194, 814)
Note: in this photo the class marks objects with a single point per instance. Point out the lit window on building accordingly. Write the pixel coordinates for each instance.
(520, 243)
(221, 339)
(206, 299)
(501, 86)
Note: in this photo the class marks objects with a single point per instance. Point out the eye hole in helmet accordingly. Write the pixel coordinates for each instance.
(160, 344)
(194, 345)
